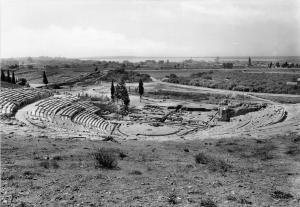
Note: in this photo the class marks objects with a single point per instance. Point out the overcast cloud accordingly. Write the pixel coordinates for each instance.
(81, 28)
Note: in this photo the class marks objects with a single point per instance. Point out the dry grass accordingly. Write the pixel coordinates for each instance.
(208, 203)
(214, 164)
(105, 157)
(151, 174)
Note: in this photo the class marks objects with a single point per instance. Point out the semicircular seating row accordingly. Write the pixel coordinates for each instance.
(70, 108)
(270, 115)
(13, 99)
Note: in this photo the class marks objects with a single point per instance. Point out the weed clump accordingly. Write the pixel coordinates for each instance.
(54, 164)
(214, 164)
(173, 199)
(281, 195)
(293, 150)
(201, 158)
(57, 157)
(45, 164)
(49, 163)
(264, 152)
(122, 155)
(105, 157)
(208, 203)
(136, 172)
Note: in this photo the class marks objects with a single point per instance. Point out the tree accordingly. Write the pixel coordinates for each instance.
(122, 93)
(141, 89)
(285, 65)
(249, 62)
(45, 80)
(271, 64)
(112, 90)
(3, 78)
(8, 79)
(13, 79)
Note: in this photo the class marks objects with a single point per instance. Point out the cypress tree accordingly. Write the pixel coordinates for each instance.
(13, 79)
(8, 77)
(141, 89)
(45, 80)
(122, 93)
(112, 90)
(3, 78)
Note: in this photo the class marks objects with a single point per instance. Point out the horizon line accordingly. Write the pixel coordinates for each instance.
(134, 56)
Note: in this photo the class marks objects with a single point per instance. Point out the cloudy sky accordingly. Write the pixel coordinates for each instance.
(82, 28)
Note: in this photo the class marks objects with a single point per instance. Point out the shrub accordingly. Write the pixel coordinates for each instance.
(264, 152)
(122, 155)
(57, 157)
(56, 86)
(201, 158)
(136, 172)
(281, 195)
(54, 164)
(29, 174)
(208, 203)
(45, 164)
(106, 158)
(218, 166)
(293, 150)
(214, 164)
(7, 175)
(173, 199)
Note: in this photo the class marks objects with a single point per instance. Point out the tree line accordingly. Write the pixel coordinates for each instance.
(7, 78)
(284, 65)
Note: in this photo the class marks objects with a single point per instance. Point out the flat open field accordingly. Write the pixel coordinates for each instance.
(159, 74)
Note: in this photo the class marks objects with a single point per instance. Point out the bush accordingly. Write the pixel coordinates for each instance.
(57, 157)
(106, 158)
(281, 195)
(293, 150)
(173, 199)
(214, 164)
(208, 203)
(54, 164)
(45, 164)
(122, 155)
(219, 166)
(264, 152)
(136, 172)
(201, 158)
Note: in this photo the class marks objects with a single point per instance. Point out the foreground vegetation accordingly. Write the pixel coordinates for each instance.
(226, 172)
